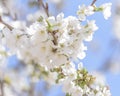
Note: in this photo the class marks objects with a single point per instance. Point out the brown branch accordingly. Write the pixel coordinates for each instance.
(2, 88)
(54, 38)
(93, 2)
(1, 21)
(32, 89)
(45, 7)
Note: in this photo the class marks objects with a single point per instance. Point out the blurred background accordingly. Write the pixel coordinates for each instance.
(103, 52)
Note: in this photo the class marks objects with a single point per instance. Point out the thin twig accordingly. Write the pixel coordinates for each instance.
(45, 7)
(93, 2)
(8, 13)
(1, 21)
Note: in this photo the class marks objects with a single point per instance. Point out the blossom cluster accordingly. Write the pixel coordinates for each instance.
(50, 45)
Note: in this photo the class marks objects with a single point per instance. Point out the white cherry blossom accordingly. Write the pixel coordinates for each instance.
(48, 48)
(106, 10)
